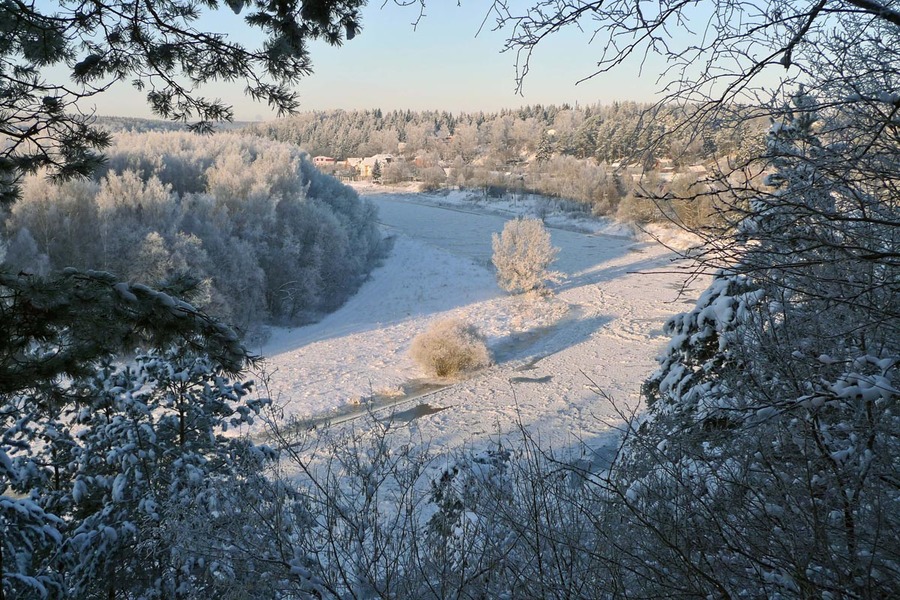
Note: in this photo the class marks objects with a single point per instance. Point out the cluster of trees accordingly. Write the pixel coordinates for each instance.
(119, 479)
(124, 465)
(244, 228)
(138, 125)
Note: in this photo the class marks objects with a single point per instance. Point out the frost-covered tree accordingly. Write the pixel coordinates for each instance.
(23, 254)
(159, 425)
(523, 253)
(544, 149)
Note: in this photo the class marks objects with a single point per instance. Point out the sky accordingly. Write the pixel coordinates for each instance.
(444, 63)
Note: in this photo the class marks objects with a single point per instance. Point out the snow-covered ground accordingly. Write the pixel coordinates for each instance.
(602, 327)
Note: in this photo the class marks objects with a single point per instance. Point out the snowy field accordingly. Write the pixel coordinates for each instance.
(602, 328)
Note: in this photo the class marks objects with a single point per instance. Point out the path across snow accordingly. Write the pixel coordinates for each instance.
(603, 327)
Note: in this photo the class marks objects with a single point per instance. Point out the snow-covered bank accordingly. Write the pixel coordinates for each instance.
(602, 327)
(556, 213)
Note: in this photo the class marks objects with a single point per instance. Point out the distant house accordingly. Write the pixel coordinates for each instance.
(366, 165)
(698, 170)
(324, 161)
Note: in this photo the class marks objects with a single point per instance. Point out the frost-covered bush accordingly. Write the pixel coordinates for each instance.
(523, 255)
(450, 347)
(392, 519)
(638, 209)
(247, 229)
(398, 172)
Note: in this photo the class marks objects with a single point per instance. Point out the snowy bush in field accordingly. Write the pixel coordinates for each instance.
(450, 347)
(523, 255)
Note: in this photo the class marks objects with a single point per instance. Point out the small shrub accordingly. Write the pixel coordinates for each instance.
(523, 254)
(432, 178)
(450, 347)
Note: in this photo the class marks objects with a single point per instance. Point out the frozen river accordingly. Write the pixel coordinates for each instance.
(601, 328)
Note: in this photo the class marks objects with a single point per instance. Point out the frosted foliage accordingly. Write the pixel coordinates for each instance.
(242, 227)
(771, 441)
(149, 197)
(112, 523)
(460, 526)
(159, 424)
(450, 347)
(22, 254)
(152, 261)
(523, 255)
(61, 219)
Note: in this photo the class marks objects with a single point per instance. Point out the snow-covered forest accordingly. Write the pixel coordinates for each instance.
(602, 157)
(243, 228)
(607, 133)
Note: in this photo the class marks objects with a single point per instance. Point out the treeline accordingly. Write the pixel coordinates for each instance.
(607, 133)
(141, 125)
(244, 228)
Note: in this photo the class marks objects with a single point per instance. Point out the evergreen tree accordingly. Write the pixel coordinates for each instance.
(771, 432)
(160, 425)
(59, 392)
(376, 171)
(545, 148)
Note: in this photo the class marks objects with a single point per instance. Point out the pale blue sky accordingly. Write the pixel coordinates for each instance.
(440, 65)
